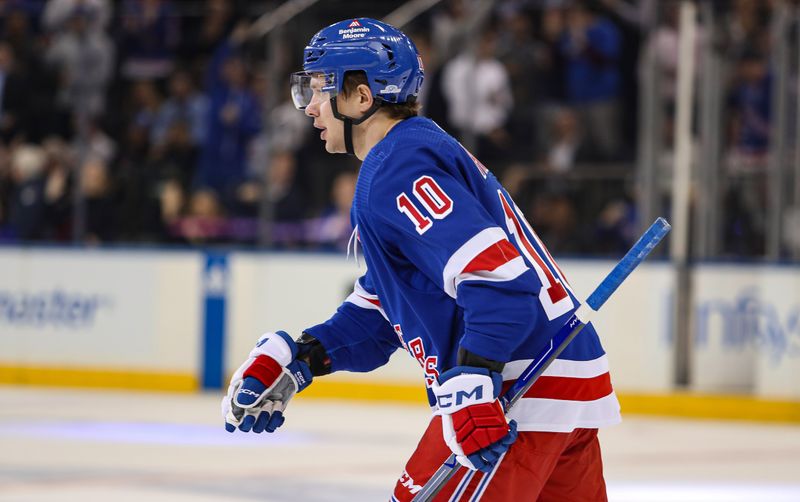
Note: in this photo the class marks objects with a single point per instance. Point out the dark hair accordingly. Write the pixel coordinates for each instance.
(352, 79)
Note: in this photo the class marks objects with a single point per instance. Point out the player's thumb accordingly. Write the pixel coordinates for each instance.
(249, 392)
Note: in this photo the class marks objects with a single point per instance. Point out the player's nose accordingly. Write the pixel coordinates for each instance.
(312, 110)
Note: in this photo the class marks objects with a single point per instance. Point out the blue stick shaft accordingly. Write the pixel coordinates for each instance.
(630, 261)
(646, 243)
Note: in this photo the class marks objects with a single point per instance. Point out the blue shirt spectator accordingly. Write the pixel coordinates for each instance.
(233, 119)
(185, 105)
(752, 107)
(150, 37)
(591, 48)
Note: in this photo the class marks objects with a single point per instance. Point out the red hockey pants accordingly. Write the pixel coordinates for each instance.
(539, 466)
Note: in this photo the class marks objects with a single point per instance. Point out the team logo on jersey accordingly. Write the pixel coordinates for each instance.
(399, 333)
(428, 363)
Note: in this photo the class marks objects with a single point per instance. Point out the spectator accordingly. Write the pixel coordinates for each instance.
(751, 108)
(185, 106)
(289, 201)
(59, 13)
(135, 152)
(177, 156)
(748, 27)
(28, 207)
(234, 119)
(286, 131)
(205, 221)
(431, 96)
(147, 174)
(615, 227)
(556, 220)
(480, 99)
(590, 45)
(568, 146)
(138, 199)
(99, 199)
(201, 35)
(663, 46)
(147, 107)
(276, 185)
(17, 32)
(171, 202)
(37, 117)
(13, 96)
(57, 190)
(745, 223)
(84, 60)
(454, 23)
(150, 37)
(524, 58)
(333, 229)
(98, 144)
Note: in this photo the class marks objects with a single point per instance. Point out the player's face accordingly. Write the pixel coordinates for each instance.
(320, 110)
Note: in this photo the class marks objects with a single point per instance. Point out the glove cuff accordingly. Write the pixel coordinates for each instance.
(465, 386)
(279, 346)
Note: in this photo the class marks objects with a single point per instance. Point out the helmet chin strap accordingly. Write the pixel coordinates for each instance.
(349, 122)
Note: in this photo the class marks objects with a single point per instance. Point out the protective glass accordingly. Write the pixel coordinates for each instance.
(312, 87)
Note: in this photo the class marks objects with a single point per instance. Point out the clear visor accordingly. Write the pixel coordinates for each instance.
(312, 87)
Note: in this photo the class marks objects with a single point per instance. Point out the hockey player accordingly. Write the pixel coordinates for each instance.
(455, 276)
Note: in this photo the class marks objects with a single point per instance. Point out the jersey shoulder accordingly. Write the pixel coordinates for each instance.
(413, 148)
(416, 140)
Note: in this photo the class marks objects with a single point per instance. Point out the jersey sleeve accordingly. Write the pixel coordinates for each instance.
(358, 337)
(451, 237)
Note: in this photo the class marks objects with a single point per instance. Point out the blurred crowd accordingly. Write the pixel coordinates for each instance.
(156, 121)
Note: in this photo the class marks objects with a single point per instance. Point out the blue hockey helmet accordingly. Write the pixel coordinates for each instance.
(385, 54)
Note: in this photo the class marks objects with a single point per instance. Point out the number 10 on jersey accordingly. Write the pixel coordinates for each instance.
(433, 199)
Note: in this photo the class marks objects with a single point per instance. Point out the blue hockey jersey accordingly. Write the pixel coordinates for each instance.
(452, 262)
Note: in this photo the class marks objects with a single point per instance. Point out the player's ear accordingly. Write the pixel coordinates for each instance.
(365, 98)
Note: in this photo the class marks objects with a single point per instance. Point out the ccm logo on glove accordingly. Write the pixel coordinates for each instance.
(300, 376)
(462, 397)
(473, 423)
(249, 392)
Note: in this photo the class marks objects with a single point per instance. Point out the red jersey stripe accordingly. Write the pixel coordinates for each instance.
(570, 389)
(377, 303)
(497, 254)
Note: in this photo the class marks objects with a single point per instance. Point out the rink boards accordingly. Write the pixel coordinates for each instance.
(184, 320)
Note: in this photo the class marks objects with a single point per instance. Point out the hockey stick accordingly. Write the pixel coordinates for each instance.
(563, 337)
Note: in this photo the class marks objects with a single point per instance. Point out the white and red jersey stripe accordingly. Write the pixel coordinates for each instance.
(568, 395)
(487, 256)
(366, 300)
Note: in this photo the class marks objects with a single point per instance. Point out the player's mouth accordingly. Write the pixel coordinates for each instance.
(324, 130)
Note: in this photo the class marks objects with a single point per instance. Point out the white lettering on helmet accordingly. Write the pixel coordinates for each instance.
(389, 89)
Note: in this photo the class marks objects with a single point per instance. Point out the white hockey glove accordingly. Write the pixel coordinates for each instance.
(473, 423)
(262, 387)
